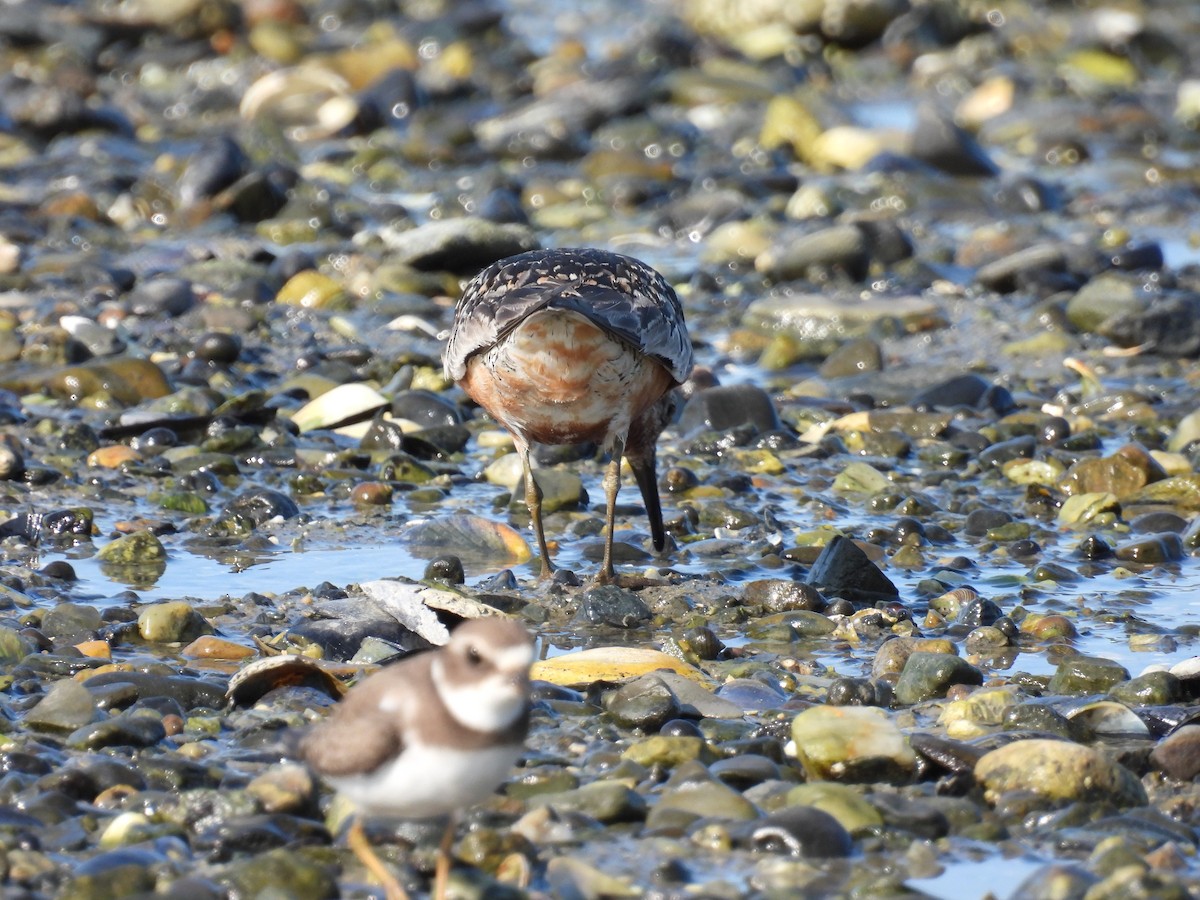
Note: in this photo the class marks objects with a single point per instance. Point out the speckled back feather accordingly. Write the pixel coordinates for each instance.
(621, 295)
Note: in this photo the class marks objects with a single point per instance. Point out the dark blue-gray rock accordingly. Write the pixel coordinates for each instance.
(1005, 274)
(969, 390)
(220, 347)
(979, 611)
(937, 141)
(1135, 257)
(801, 831)
(854, 357)
(841, 248)
(844, 570)
(1169, 326)
(71, 620)
(425, 408)
(290, 262)
(67, 705)
(347, 623)
(945, 753)
(256, 833)
(848, 691)
(927, 676)
(447, 568)
(188, 691)
(915, 816)
(1152, 549)
(752, 695)
(252, 198)
(257, 507)
(996, 455)
(1158, 521)
(613, 606)
(503, 204)
(51, 109)
(161, 298)
(729, 406)
(744, 770)
(558, 123)
(213, 167)
(24, 25)
(388, 101)
(128, 729)
(645, 703)
(887, 242)
(1022, 193)
(463, 245)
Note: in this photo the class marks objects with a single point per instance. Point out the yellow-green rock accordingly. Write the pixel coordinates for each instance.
(138, 548)
(170, 622)
(852, 744)
(842, 801)
(312, 290)
(1058, 770)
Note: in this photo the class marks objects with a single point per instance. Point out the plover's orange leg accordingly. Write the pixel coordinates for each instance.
(441, 872)
(356, 840)
(533, 501)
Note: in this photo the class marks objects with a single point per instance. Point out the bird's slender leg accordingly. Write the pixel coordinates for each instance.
(612, 484)
(647, 481)
(533, 501)
(641, 450)
(441, 872)
(356, 840)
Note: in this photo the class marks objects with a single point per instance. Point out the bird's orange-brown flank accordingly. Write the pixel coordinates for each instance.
(562, 380)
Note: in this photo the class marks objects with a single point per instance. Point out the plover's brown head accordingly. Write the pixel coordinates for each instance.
(482, 674)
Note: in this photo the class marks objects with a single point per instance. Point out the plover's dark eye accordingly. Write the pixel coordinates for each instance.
(473, 657)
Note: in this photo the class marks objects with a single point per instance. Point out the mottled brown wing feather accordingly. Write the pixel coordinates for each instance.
(337, 747)
(621, 295)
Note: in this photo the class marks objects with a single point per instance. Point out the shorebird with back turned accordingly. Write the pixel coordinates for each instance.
(428, 736)
(573, 345)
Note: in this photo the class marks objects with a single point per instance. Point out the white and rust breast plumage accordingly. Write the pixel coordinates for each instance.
(626, 299)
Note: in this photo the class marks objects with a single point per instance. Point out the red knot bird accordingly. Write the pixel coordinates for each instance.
(428, 736)
(573, 345)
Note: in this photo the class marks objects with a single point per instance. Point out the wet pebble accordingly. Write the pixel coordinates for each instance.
(725, 407)
(172, 621)
(603, 801)
(162, 297)
(614, 607)
(1058, 770)
(929, 675)
(1178, 754)
(1086, 675)
(645, 703)
(66, 706)
(844, 570)
(802, 831)
(851, 744)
